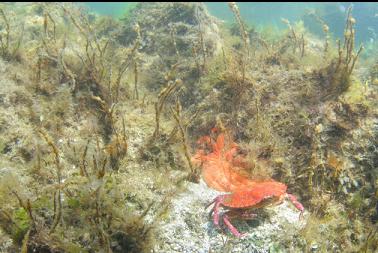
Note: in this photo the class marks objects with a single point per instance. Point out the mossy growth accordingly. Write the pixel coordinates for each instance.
(21, 224)
(73, 203)
(3, 145)
(356, 201)
(356, 93)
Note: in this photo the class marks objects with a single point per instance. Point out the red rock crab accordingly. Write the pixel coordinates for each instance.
(241, 203)
(221, 170)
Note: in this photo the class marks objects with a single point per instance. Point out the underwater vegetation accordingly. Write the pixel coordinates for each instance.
(100, 119)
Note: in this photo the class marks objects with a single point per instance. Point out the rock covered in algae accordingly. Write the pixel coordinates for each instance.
(171, 28)
(188, 228)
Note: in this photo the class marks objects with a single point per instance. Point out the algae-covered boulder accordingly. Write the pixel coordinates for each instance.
(175, 39)
(170, 28)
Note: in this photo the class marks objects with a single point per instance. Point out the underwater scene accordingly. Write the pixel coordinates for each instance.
(188, 127)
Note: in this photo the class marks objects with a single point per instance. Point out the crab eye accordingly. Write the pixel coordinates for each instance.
(214, 130)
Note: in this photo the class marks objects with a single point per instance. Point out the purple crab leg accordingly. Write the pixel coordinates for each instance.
(218, 201)
(211, 203)
(212, 209)
(233, 230)
(296, 203)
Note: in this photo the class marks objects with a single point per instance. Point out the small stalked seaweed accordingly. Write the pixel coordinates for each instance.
(57, 194)
(339, 71)
(298, 41)
(9, 46)
(165, 93)
(182, 126)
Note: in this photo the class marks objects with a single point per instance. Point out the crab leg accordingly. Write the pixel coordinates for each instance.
(212, 202)
(212, 209)
(233, 230)
(296, 203)
(218, 201)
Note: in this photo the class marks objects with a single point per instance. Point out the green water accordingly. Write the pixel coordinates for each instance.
(251, 12)
(114, 9)
(270, 14)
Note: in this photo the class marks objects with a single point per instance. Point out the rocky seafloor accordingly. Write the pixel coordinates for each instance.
(188, 227)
